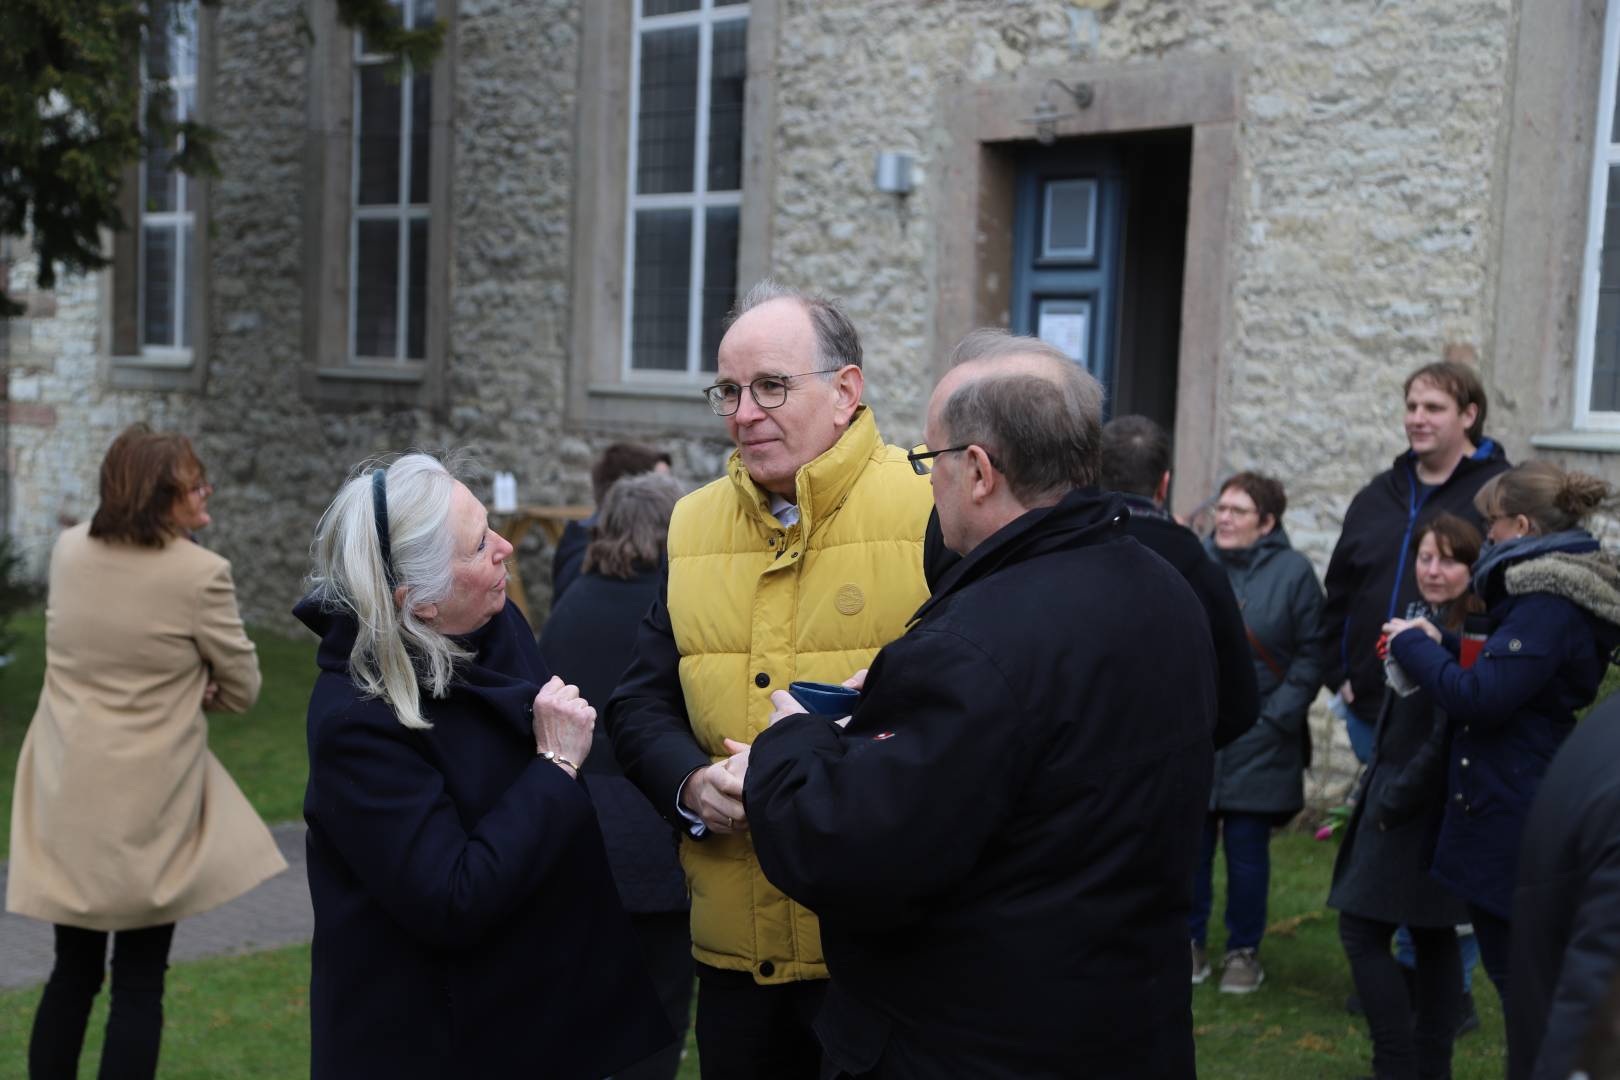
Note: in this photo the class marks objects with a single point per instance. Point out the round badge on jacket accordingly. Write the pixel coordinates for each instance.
(850, 599)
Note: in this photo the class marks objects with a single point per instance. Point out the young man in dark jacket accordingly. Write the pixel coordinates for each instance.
(1000, 843)
(1136, 463)
(1370, 578)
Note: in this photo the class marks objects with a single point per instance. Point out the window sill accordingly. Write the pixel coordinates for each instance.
(667, 406)
(155, 371)
(395, 373)
(1585, 442)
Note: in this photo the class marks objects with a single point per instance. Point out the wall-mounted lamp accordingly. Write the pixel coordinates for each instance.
(1047, 114)
(893, 173)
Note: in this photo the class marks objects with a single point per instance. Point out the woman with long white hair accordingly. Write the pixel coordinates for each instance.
(465, 920)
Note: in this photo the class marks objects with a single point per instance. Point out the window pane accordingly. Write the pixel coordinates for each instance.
(728, 3)
(416, 295)
(719, 278)
(424, 13)
(663, 279)
(157, 281)
(1606, 346)
(665, 7)
(376, 289)
(421, 109)
(729, 65)
(378, 140)
(667, 123)
(160, 180)
(186, 278)
(159, 42)
(1070, 211)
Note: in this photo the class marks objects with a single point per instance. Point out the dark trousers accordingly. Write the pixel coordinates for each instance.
(1495, 949)
(666, 949)
(134, 1019)
(1411, 1039)
(745, 1030)
(1247, 838)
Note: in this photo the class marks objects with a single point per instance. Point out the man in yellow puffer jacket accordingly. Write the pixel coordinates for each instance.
(800, 563)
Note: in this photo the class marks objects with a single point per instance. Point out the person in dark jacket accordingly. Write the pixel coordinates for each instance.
(1566, 908)
(591, 637)
(1136, 463)
(999, 843)
(1369, 577)
(1553, 601)
(618, 460)
(465, 920)
(1260, 778)
(1380, 878)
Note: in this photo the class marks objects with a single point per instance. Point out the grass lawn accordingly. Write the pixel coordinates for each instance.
(247, 1016)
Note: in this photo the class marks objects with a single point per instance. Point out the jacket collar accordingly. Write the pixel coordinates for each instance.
(1083, 517)
(1256, 553)
(821, 485)
(1143, 507)
(1484, 454)
(1496, 557)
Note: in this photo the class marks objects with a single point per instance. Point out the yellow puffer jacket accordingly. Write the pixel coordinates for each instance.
(755, 606)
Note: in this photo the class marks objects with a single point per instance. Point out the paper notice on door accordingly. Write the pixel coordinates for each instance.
(1066, 331)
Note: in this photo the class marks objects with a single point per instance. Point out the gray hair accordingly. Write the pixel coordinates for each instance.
(632, 525)
(1044, 443)
(837, 342)
(395, 652)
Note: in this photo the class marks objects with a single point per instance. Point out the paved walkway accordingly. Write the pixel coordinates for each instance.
(277, 913)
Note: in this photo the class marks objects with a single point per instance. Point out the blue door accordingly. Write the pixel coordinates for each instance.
(1067, 221)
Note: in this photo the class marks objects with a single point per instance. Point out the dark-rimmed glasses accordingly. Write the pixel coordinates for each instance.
(922, 461)
(770, 392)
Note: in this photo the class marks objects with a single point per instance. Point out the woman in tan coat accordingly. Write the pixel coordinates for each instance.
(122, 820)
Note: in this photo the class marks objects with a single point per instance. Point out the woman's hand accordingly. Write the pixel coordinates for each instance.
(1396, 626)
(563, 722)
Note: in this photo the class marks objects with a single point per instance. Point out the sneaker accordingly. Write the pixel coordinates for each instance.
(1470, 1018)
(1241, 972)
(1200, 964)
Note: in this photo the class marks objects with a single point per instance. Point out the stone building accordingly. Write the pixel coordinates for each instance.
(1250, 217)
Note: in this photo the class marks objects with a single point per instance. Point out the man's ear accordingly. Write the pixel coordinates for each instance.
(1162, 494)
(983, 475)
(849, 384)
(1469, 415)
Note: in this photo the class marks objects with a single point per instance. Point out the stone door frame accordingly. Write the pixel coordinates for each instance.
(984, 122)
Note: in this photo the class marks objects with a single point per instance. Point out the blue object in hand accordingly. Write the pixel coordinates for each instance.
(825, 699)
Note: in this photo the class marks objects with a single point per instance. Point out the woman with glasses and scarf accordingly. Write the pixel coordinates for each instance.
(1553, 602)
(1260, 776)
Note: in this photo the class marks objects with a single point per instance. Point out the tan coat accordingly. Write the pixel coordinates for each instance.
(122, 818)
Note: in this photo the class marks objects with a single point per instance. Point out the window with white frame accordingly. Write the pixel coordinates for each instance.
(1597, 389)
(167, 227)
(688, 68)
(389, 203)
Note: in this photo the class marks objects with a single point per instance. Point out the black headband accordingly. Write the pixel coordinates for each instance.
(379, 510)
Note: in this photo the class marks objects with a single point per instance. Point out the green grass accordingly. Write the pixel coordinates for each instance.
(262, 749)
(1295, 1025)
(247, 1016)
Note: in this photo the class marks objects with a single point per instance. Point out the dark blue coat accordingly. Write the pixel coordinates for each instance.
(1000, 845)
(465, 921)
(589, 640)
(1509, 714)
(1566, 911)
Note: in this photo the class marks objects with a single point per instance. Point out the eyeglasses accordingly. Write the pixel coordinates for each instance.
(922, 461)
(770, 392)
(1235, 511)
(202, 490)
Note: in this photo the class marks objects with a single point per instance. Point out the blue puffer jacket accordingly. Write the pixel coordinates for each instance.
(1554, 603)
